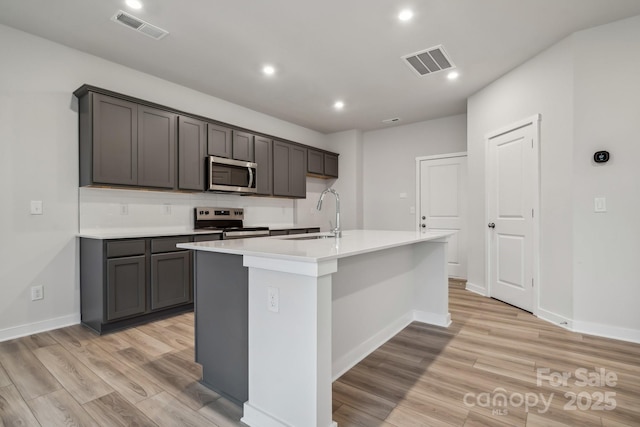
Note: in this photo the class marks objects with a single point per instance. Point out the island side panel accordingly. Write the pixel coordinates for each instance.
(431, 298)
(290, 358)
(372, 301)
(221, 323)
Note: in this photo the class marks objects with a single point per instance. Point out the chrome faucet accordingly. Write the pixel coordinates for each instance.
(337, 232)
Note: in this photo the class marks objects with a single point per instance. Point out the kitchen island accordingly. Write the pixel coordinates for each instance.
(305, 309)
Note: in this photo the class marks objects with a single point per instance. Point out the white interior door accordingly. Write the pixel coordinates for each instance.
(511, 198)
(442, 200)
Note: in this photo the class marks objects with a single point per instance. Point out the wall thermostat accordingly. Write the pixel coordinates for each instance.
(601, 156)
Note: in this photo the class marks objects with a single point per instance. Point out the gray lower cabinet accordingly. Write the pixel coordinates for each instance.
(170, 279)
(289, 170)
(192, 149)
(124, 282)
(125, 287)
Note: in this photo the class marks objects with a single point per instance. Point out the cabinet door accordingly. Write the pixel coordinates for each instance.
(281, 156)
(289, 170)
(243, 146)
(192, 149)
(298, 171)
(218, 141)
(315, 162)
(125, 287)
(170, 279)
(264, 159)
(156, 148)
(115, 135)
(331, 165)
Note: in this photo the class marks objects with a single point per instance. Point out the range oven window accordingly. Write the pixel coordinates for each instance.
(231, 175)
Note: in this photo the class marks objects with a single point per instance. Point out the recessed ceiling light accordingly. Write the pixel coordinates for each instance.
(405, 15)
(453, 75)
(134, 4)
(268, 70)
(338, 105)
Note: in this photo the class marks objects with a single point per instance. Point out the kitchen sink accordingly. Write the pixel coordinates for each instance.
(323, 236)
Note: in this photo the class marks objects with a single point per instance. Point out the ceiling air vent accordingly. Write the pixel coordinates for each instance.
(139, 25)
(429, 61)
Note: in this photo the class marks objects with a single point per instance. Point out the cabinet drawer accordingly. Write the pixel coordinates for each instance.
(297, 231)
(123, 248)
(167, 244)
(277, 232)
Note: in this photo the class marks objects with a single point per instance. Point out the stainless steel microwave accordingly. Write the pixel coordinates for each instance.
(230, 175)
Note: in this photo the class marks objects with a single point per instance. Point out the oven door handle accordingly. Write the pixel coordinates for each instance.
(250, 177)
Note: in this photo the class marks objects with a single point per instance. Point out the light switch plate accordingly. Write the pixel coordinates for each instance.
(36, 207)
(599, 204)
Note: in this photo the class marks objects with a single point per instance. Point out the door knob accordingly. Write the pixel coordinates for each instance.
(492, 225)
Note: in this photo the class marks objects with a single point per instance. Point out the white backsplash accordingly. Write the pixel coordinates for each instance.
(115, 209)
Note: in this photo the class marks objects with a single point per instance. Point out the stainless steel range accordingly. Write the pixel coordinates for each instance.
(229, 220)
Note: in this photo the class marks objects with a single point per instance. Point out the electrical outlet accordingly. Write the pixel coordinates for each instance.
(166, 209)
(37, 293)
(599, 204)
(273, 299)
(124, 209)
(36, 207)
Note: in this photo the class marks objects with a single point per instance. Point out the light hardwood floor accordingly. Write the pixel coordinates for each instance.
(425, 376)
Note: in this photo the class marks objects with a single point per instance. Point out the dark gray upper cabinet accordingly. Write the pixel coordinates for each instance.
(331, 165)
(315, 162)
(113, 142)
(192, 149)
(243, 146)
(156, 148)
(322, 164)
(264, 159)
(219, 141)
(289, 170)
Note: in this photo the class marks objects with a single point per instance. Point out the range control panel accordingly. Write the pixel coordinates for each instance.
(219, 213)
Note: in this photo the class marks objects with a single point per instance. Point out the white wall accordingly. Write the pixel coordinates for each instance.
(389, 167)
(542, 85)
(607, 117)
(39, 161)
(588, 266)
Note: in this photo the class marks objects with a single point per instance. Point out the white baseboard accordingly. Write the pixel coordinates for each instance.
(353, 357)
(556, 319)
(607, 331)
(432, 318)
(481, 290)
(37, 327)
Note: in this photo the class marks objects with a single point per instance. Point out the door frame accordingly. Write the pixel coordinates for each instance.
(418, 194)
(535, 122)
(418, 199)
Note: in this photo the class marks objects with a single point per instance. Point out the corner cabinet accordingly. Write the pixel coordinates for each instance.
(263, 148)
(322, 164)
(289, 170)
(124, 143)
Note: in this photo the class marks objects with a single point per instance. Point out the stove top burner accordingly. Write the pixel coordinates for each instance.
(228, 220)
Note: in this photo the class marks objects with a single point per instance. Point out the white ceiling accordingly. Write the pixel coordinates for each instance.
(324, 50)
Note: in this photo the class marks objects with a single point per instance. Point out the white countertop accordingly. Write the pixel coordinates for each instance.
(128, 233)
(353, 242)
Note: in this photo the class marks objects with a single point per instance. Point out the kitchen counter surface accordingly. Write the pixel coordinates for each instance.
(132, 233)
(301, 248)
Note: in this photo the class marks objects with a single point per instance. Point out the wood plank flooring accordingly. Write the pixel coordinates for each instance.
(424, 376)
